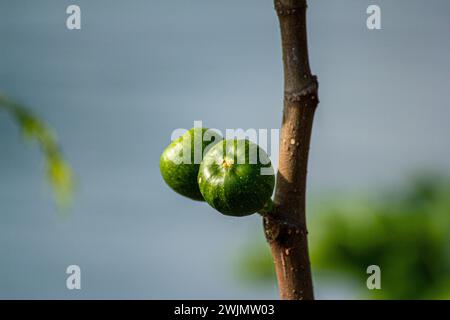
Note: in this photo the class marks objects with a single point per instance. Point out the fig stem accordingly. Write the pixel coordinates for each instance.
(268, 209)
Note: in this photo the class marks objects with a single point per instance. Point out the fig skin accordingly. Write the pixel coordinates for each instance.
(233, 187)
(181, 175)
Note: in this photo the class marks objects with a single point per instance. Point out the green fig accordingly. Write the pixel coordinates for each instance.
(232, 181)
(180, 161)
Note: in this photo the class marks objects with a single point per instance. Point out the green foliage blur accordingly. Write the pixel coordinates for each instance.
(406, 232)
(58, 172)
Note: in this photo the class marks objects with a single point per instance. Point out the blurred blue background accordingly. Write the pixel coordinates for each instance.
(116, 89)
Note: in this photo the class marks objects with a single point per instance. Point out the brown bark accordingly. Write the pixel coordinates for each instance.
(285, 225)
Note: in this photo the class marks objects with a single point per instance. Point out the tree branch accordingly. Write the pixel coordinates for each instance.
(285, 225)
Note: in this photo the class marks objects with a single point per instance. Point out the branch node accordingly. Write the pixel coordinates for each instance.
(309, 90)
(282, 230)
(283, 10)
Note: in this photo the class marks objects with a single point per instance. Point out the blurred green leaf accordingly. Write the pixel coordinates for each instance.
(405, 231)
(58, 172)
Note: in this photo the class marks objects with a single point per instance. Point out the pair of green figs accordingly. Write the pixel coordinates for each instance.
(226, 177)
